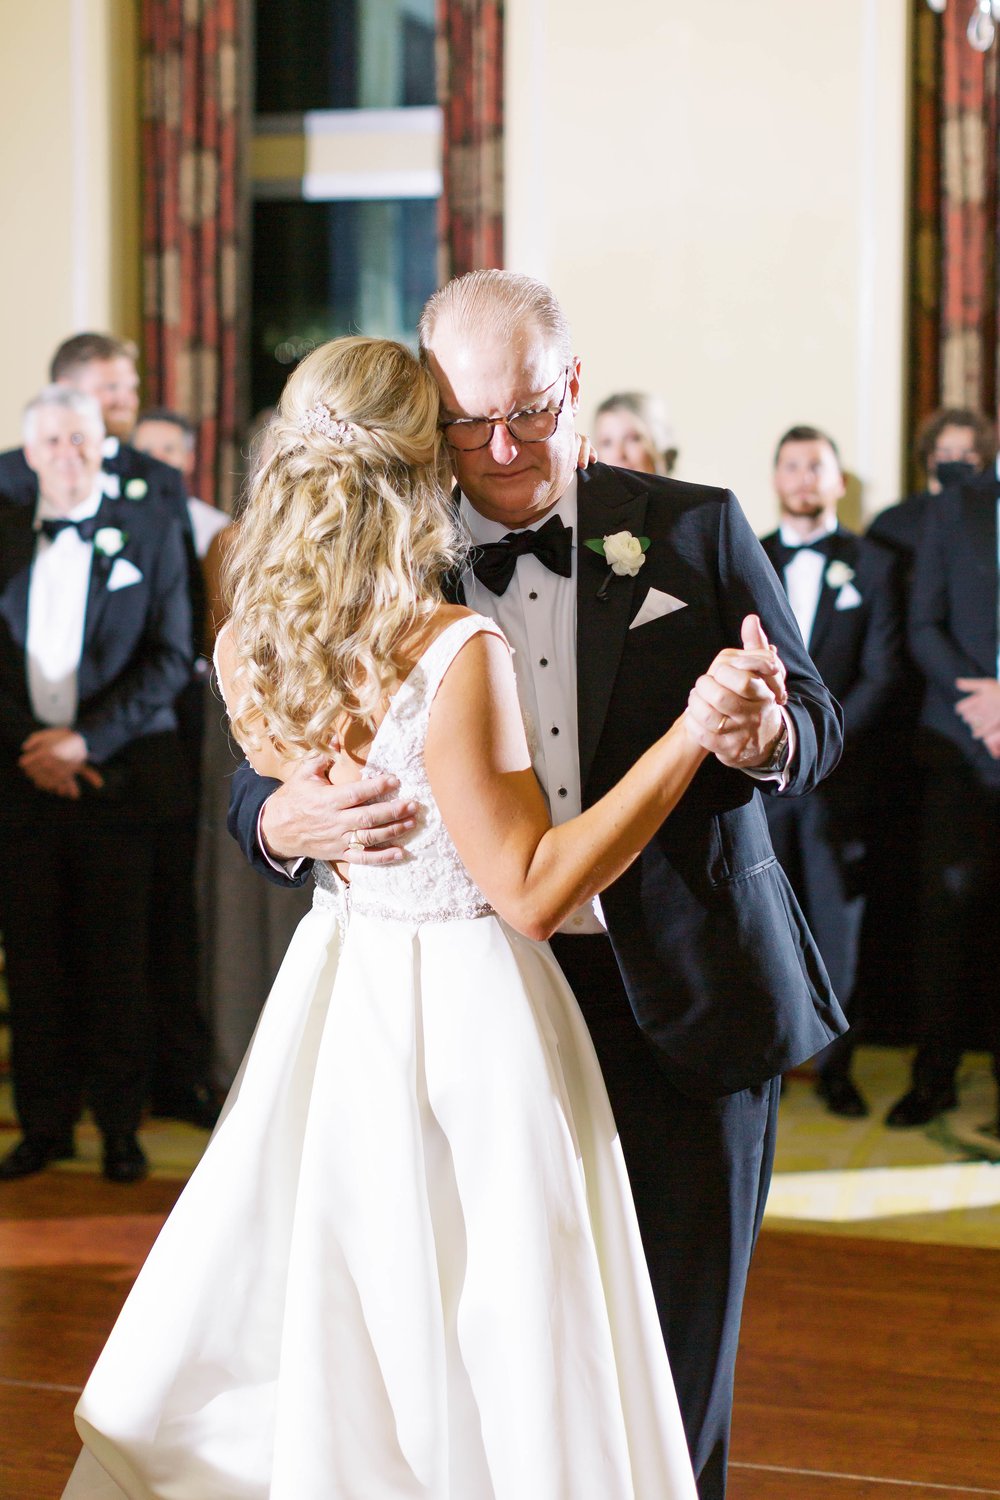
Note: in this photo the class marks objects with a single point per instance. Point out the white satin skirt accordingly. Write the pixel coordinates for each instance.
(407, 1266)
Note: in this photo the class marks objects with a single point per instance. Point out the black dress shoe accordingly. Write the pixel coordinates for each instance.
(195, 1106)
(33, 1154)
(921, 1105)
(124, 1159)
(840, 1096)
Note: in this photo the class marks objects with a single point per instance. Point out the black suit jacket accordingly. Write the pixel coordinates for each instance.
(720, 968)
(155, 482)
(136, 658)
(858, 652)
(953, 619)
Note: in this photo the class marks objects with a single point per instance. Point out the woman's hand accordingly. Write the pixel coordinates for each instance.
(587, 454)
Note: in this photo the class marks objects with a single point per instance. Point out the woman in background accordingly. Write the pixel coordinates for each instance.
(631, 431)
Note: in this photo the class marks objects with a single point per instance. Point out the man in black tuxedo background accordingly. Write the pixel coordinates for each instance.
(696, 973)
(843, 594)
(105, 368)
(953, 635)
(95, 643)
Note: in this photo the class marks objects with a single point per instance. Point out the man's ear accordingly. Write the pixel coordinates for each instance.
(574, 383)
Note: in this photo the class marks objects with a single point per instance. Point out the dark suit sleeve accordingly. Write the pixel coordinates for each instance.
(934, 649)
(16, 723)
(18, 485)
(881, 667)
(248, 794)
(161, 664)
(751, 586)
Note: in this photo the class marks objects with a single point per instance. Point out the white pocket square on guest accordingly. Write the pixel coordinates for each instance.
(847, 597)
(123, 574)
(655, 605)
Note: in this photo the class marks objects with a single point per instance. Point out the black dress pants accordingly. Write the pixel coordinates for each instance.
(74, 904)
(958, 950)
(699, 1171)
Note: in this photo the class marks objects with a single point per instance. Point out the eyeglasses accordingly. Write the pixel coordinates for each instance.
(467, 434)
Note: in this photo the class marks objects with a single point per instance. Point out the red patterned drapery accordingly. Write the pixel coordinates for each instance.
(953, 283)
(470, 91)
(194, 57)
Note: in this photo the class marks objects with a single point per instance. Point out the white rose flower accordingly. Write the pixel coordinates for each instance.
(109, 541)
(839, 573)
(136, 489)
(624, 553)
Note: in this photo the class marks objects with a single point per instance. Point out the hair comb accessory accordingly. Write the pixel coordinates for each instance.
(320, 419)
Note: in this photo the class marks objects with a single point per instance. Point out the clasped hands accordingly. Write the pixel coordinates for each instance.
(734, 709)
(980, 709)
(55, 760)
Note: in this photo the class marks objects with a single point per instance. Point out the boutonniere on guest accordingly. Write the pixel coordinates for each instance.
(839, 573)
(136, 489)
(623, 553)
(109, 541)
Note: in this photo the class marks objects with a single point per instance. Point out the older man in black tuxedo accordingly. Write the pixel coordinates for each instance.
(953, 634)
(105, 368)
(696, 974)
(843, 595)
(95, 643)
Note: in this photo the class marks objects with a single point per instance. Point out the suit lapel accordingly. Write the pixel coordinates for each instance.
(17, 550)
(604, 506)
(843, 549)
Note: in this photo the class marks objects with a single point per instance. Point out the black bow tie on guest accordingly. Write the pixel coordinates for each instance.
(51, 527)
(825, 545)
(494, 562)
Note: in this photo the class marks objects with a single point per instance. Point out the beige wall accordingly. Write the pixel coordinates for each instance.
(717, 194)
(69, 256)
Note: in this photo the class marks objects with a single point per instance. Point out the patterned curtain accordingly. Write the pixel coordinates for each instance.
(470, 91)
(194, 55)
(954, 289)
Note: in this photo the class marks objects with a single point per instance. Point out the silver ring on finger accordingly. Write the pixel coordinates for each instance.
(355, 841)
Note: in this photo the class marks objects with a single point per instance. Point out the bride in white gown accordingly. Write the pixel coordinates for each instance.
(407, 1267)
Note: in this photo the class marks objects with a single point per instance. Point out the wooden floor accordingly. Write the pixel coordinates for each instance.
(869, 1369)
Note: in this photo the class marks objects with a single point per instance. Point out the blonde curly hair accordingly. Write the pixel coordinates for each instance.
(341, 550)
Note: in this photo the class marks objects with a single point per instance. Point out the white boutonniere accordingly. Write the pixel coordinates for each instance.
(624, 554)
(839, 573)
(136, 489)
(109, 541)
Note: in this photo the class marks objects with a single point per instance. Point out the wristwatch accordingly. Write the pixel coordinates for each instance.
(778, 758)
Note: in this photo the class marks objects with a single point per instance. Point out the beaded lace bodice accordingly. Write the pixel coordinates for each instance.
(430, 883)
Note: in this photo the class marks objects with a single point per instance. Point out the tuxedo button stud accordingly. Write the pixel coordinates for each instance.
(532, 595)
(563, 792)
(554, 729)
(543, 661)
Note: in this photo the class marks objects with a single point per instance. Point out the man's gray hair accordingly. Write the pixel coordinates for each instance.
(501, 303)
(68, 399)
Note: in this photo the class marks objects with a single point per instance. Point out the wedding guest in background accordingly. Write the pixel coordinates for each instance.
(182, 1076)
(952, 445)
(842, 593)
(953, 633)
(631, 431)
(95, 643)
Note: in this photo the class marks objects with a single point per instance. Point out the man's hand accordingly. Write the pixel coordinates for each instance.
(54, 759)
(309, 818)
(734, 710)
(981, 707)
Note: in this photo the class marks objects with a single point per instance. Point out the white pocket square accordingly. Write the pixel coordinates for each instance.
(655, 605)
(847, 597)
(123, 574)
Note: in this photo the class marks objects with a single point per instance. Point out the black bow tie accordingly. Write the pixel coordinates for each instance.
(824, 545)
(87, 529)
(494, 562)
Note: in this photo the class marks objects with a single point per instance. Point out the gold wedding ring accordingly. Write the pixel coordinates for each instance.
(722, 723)
(354, 842)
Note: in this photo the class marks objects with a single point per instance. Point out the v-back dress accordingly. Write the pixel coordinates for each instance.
(407, 1266)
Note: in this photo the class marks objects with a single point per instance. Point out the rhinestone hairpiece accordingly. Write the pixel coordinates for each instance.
(320, 419)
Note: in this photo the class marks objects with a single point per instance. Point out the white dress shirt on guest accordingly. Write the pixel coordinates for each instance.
(57, 609)
(804, 575)
(537, 614)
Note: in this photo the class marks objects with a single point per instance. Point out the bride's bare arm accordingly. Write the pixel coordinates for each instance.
(480, 772)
